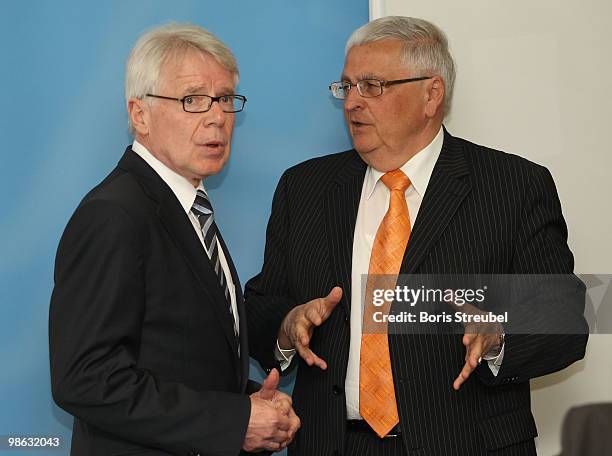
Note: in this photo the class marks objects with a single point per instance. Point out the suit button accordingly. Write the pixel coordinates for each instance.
(337, 453)
(337, 390)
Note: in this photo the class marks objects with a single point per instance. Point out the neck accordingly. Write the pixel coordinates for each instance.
(153, 151)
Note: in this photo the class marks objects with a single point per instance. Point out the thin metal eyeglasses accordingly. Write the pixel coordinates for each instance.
(367, 88)
(203, 103)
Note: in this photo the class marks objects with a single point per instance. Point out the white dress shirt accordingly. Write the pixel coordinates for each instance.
(185, 192)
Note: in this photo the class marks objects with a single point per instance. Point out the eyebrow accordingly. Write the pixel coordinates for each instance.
(362, 77)
(201, 90)
(194, 89)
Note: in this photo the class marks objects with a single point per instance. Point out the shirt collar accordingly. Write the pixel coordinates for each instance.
(182, 188)
(418, 168)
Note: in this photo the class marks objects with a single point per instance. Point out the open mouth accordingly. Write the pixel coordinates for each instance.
(214, 144)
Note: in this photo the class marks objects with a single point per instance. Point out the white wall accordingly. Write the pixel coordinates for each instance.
(534, 79)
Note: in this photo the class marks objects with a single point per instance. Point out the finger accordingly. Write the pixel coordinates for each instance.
(302, 342)
(274, 446)
(284, 397)
(331, 300)
(280, 436)
(310, 358)
(302, 333)
(283, 406)
(283, 422)
(319, 362)
(463, 376)
(314, 315)
(320, 309)
(468, 338)
(295, 423)
(287, 442)
(270, 384)
(271, 381)
(474, 352)
(302, 346)
(473, 357)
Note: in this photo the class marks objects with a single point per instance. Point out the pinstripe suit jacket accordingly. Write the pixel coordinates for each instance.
(484, 212)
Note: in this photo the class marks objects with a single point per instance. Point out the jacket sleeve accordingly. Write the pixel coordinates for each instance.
(543, 256)
(97, 311)
(267, 295)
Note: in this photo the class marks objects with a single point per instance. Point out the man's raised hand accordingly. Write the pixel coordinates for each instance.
(297, 327)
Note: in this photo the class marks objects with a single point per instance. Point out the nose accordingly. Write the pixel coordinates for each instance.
(352, 100)
(215, 116)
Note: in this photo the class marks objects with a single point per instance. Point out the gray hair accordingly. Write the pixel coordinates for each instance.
(163, 43)
(425, 47)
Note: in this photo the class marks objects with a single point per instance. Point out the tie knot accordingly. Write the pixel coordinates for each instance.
(396, 180)
(201, 205)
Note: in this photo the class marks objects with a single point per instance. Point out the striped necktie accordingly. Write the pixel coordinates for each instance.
(203, 211)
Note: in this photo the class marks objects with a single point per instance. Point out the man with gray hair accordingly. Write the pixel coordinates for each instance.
(409, 199)
(147, 329)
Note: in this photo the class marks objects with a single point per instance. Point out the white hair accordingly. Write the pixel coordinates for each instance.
(160, 44)
(425, 47)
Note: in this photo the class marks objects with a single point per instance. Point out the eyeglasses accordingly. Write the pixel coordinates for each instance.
(203, 103)
(367, 88)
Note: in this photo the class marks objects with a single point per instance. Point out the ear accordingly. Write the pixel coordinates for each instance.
(434, 96)
(139, 113)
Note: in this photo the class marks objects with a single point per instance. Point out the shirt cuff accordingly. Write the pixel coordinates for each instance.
(283, 356)
(495, 362)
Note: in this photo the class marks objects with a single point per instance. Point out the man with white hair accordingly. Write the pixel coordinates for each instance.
(147, 327)
(409, 199)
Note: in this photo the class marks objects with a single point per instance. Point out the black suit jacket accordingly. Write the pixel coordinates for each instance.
(484, 212)
(142, 347)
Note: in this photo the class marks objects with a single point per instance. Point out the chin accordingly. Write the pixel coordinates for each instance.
(213, 168)
(363, 148)
(363, 144)
(215, 165)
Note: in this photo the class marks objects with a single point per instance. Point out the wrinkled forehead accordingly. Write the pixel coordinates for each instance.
(192, 70)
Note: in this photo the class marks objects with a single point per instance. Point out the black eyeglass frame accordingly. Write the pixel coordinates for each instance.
(212, 100)
(382, 83)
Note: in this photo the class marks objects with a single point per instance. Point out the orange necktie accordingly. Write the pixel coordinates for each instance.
(377, 403)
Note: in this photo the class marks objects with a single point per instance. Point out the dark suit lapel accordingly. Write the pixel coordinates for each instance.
(181, 230)
(447, 188)
(341, 206)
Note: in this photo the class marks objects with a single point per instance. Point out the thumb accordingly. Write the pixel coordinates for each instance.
(333, 298)
(270, 385)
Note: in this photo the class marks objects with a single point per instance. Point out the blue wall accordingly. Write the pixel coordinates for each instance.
(63, 128)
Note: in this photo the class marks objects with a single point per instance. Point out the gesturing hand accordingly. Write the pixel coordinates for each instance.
(479, 339)
(273, 423)
(297, 327)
